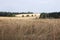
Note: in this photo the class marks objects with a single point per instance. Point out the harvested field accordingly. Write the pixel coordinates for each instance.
(29, 29)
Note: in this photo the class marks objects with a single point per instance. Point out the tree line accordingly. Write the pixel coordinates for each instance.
(42, 15)
(50, 15)
(12, 14)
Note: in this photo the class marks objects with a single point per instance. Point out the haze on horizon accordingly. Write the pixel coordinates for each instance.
(30, 5)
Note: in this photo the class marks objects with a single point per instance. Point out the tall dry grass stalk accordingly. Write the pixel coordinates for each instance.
(36, 29)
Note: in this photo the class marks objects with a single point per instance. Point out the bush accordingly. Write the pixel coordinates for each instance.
(9, 15)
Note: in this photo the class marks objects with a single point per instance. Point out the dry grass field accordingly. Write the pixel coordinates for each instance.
(29, 29)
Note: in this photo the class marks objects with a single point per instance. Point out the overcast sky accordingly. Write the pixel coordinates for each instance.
(30, 5)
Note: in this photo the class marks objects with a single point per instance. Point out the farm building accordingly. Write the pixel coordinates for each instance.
(34, 15)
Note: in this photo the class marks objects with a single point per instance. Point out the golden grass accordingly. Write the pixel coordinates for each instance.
(29, 29)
